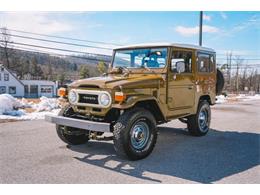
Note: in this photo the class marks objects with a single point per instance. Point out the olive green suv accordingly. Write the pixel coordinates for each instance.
(146, 85)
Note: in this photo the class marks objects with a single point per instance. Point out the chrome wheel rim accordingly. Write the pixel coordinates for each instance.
(139, 135)
(203, 120)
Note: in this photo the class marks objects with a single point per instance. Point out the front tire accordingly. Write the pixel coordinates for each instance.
(199, 124)
(70, 135)
(135, 134)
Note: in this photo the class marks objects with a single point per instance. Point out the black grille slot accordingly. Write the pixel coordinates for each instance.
(88, 98)
(89, 86)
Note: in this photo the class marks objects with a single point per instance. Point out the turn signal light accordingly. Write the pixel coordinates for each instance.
(62, 92)
(120, 96)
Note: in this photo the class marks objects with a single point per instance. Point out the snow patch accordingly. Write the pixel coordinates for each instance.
(13, 108)
(9, 104)
(46, 104)
(241, 97)
(221, 99)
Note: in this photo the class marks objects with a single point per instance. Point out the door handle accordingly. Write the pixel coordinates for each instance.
(190, 87)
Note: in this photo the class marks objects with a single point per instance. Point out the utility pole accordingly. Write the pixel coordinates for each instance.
(200, 33)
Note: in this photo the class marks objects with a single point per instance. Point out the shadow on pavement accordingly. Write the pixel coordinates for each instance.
(200, 159)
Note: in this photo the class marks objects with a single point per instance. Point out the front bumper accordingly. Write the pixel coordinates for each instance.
(79, 123)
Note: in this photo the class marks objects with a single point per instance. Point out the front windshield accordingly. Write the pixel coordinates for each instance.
(140, 58)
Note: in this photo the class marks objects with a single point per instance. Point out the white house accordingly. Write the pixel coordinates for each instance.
(10, 84)
(38, 88)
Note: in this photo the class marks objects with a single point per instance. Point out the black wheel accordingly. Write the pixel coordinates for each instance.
(71, 135)
(199, 124)
(135, 134)
(220, 82)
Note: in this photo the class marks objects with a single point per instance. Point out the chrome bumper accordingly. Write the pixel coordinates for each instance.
(79, 123)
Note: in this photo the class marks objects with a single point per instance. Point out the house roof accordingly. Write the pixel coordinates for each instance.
(10, 72)
(189, 46)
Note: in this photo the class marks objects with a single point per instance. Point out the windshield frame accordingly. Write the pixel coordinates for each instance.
(141, 69)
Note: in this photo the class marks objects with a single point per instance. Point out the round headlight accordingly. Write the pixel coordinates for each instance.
(72, 97)
(104, 99)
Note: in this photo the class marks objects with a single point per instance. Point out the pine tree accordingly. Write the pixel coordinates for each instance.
(84, 72)
(101, 67)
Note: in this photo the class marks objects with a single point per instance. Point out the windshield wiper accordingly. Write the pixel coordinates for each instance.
(146, 68)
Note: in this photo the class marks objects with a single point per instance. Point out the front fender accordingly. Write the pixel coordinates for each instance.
(131, 101)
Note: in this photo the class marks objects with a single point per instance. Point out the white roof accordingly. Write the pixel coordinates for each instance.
(189, 46)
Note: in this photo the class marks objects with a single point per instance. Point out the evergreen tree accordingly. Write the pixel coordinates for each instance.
(84, 72)
(61, 78)
(101, 67)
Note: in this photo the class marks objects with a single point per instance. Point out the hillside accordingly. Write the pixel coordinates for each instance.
(37, 65)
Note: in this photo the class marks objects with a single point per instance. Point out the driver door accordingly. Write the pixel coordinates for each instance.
(181, 86)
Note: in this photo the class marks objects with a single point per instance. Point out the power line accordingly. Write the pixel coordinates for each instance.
(240, 59)
(54, 48)
(55, 54)
(59, 42)
(61, 37)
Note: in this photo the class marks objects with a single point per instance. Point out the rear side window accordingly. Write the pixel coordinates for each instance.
(205, 62)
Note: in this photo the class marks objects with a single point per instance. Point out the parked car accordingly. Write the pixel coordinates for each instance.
(146, 85)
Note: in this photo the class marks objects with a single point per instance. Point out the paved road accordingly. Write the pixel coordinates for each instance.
(30, 152)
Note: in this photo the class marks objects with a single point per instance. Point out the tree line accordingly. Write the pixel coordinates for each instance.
(240, 77)
(37, 65)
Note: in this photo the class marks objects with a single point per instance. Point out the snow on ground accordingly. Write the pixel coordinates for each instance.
(221, 99)
(241, 97)
(15, 109)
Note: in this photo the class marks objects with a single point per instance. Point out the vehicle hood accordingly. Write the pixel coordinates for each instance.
(114, 81)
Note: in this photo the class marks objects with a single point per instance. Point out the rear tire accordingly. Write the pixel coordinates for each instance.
(220, 82)
(135, 134)
(199, 124)
(70, 135)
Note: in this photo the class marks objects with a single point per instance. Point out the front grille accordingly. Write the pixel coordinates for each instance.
(88, 98)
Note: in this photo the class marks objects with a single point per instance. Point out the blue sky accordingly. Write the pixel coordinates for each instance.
(224, 31)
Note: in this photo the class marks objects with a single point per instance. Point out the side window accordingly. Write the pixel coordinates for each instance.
(2, 89)
(12, 90)
(205, 63)
(6, 77)
(181, 61)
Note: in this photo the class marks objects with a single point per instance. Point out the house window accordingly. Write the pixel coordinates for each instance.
(6, 77)
(12, 90)
(26, 89)
(2, 89)
(46, 89)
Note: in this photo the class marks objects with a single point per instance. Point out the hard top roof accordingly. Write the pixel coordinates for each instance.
(144, 45)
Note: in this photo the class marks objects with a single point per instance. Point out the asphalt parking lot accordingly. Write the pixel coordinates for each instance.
(31, 152)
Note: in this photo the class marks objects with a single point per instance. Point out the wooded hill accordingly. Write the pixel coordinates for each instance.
(37, 65)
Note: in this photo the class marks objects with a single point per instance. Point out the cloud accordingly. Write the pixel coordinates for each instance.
(47, 23)
(34, 22)
(223, 15)
(206, 17)
(189, 31)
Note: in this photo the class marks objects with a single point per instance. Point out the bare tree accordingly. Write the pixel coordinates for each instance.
(238, 62)
(4, 43)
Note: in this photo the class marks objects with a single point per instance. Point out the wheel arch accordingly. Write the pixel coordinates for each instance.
(153, 107)
(148, 103)
(207, 98)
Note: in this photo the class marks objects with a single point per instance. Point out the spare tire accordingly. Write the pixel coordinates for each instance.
(220, 82)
